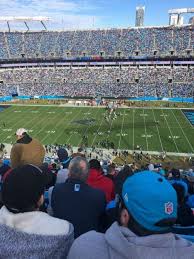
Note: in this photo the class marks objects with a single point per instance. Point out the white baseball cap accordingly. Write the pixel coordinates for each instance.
(20, 131)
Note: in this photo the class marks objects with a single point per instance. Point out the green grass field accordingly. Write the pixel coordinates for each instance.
(60, 125)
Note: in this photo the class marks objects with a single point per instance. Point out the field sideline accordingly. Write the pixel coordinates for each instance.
(68, 125)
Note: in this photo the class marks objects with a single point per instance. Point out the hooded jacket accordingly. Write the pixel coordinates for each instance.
(33, 235)
(120, 243)
(27, 151)
(97, 180)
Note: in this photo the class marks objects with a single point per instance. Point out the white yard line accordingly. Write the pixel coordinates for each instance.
(59, 121)
(14, 125)
(14, 119)
(78, 126)
(186, 119)
(145, 129)
(108, 136)
(121, 130)
(192, 150)
(158, 131)
(35, 119)
(70, 121)
(44, 119)
(97, 131)
(88, 127)
(170, 132)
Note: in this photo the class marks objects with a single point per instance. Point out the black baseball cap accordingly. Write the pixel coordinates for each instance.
(62, 154)
(22, 188)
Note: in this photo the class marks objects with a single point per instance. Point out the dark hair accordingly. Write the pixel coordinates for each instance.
(94, 164)
(180, 191)
(175, 173)
(135, 227)
(80, 149)
(121, 177)
(22, 188)
(111, 168)
(132, 224)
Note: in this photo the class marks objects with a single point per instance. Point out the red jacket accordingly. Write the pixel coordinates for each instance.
(97, 180)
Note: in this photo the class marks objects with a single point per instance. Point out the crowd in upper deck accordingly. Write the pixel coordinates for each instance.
(114, 43)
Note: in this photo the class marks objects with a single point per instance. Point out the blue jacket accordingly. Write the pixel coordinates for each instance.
(80, 204)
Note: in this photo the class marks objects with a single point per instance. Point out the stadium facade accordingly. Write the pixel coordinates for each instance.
(148, 61)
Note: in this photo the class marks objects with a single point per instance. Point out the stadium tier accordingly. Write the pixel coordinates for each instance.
(111, 43)
(109, 81)
(96, 133)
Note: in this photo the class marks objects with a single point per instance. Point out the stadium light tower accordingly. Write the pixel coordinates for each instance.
(176, 15)
(140, 13)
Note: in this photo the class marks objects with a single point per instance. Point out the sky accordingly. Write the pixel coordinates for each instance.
(79, 14)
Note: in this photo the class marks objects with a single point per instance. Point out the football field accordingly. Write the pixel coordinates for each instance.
(151, 129)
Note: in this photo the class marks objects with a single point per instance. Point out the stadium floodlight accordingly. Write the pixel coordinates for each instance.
(140, 13)
(180, 11)
(24, 19)
(175, 15)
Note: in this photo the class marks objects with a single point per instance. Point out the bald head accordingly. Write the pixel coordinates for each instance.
(79, 168)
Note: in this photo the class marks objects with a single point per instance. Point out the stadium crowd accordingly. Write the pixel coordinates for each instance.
(152, 41)
(77, 208)
(162, 81)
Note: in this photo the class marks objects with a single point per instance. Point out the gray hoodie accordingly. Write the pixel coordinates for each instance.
(120, 243)
(33, 235)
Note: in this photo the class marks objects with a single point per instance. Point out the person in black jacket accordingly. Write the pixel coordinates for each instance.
(77, 202)
(185, 215)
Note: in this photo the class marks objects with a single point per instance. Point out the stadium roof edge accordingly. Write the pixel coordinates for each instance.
(24, 19)
(102, 29)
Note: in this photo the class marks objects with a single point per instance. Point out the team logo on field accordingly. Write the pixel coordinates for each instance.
(85, 121)
(169, 208)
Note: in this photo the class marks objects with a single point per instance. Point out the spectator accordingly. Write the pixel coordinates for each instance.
(97, 180)
(77, 202)
(185, 214)
(111, 172)
(79, 153)
(146, 40)
(146, 213)
(64, 159)
(111, 211)
(26, 150)
(175, 174)
(121, 177)
(82, 81)
(176, 179)
(25, 231)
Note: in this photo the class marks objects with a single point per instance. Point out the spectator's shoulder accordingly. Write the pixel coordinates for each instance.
(16, 146)
(91, 245)
(108, 180)
(34, 140)
(59, 186)
(48, 225)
